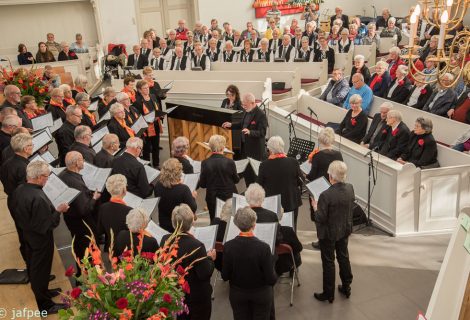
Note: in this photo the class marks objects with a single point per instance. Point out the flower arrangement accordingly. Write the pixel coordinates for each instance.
(144, 285)
(27, 81)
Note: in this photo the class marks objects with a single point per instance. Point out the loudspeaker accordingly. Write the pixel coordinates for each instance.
(359, 216)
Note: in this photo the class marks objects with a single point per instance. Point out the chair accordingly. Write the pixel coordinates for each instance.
(112, 66)
(219, 247)
(287, 249)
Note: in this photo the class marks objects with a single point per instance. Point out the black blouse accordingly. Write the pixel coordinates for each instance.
(353, 128)
(422, 150)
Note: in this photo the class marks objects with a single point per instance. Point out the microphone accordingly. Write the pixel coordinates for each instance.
(290, 113)
(313, 112)
(368, 154)
(3, 59)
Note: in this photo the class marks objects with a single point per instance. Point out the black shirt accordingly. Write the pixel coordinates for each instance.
(134, 171)
(123, 240)
(104, 159)
(64, 139)
(321, 161)
(112, 217)
(86, 151)
(187, 167)
(13, 173)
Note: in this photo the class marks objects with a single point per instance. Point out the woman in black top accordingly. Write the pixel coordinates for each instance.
(422, 148)
(360, 67)
(246, 55)
(172, 192)
(198, 298)
(218, 175)
(136, 220)
(326, 155)
(233, 100)
(66, 54)
(44, 55)
(179, 149)
(24, 56)
(248, 266)
(354, 124)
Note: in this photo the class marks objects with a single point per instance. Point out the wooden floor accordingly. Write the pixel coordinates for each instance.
(15, 297)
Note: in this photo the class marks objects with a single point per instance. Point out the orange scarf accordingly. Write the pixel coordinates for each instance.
(151, 129)
(30, 115)
(79, 89)
(56, 104)
(70, 101)
(117, 200)
(89, 115)
(151, 83)
(312, 154)
(277, 156)
(123, 124)
(248, 234)
(129, 112)
(130, 93)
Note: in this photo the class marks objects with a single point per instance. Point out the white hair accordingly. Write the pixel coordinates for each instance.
(115, 108)
(276, 145)
(81, 80)
(326, 137)
(134, 142)
(355, 98)
(137, 220)
(217, 143)
(121, 96)
(338, 170)
(183, 217)
(394, 50)
(255, 195)
(359, 57)
(116, 185)
(81, 131)
(20, 141)
(36, 169)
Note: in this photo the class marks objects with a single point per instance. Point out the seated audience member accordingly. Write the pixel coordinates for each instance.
(354, 36)
(82, 135)
(218, 175)
(188, 46)
(171, 41)
(286, 51)
(360, 88)
(216, 35)
(462, 143)
(430, 70)
(24, 56)
(12, 96)
(80, 83)
(344, 45)
(382, 21)
(305, 52)
(52, 45)
(264, 53)
(380, 80)
(64, 136)
(354, 124)
(430, 48)
(56, 104)
(136, 60)
(391, 31)
(179, 61)
(68, 98)
(44, 55)
(296, 41)
(461, 112)
(172, 193)
(152, 38)
(339, 15)
(65, 53)
(361, 29)
(269, 31)
(400, 88)
(109, 96)
(396, 137)
(132, 169)
(9, 124)
(118, 125)
(198, 297)
(394, 61)
(360, 67)
(275, 42)
(158, 61)
(254, 39)
(229, 55)
(334, 36)
(145, 48)
(422, 148)
(136, 220)
(372, 139)
(233, 100)
(200, 59)
(246, 55)
(213, 52)
(228, 32)
(325, 52)
(419, 93)
(443, 98)
(339, 23)
(206, 35)
(246, 34)
(79, 46)
(182, 31)
(112, 215)
(325, 155)
(249, 267)
(83, 101)
(166, 51)
(105, 157)
(237, 39)
(179, 151)
(49, 78)
(371, 36)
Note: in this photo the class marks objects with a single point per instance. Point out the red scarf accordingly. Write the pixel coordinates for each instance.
(117, 200)
(30, 115)
(277, 156)
(151, 129)
(70, 101)
(377, 79)
(89, 115)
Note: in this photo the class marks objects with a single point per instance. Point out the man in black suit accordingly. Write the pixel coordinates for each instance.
(443, 99)
(419, 93)
(65, 135)
(110, 145)
(179, 61)
(9, 124)
(200, 59)
(333, 219)
(400, 88)
(339, 15)
(296, 41)
(275, 42)
(379, 123)
(158, 61)
(82, 135)
(396, 137)
(144, 50)
(136, 60)
(286, 51)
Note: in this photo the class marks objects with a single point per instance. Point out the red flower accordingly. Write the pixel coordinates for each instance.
(180, 270)
(70, 271)
(186, 288)
(394, 132)
(24, 87)
(421, 142)
(353, 121)
(253, 122)
(401, 82)
(164, 311)
(75, 292)
(122, 303)
(384, 131)
(72, 54)
(126, 253)
(147, 255)
(20, 81)
(36, 88)
(167, 298)
(423, 91)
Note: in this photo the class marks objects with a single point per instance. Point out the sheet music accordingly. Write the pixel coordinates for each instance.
(150, 205)
(57, 171)
(132, 200)
(218, 207)
(231, 231)
(40, 140)
(206, 235)
(93, 106)
(58, 192)
(139, 124)
(168, 110)
(94, 177)
(255, 165)
(287, 219)
(272, 203)
(106, 116)
(169, 85)
(48, 157)
(151, 173)
(266, 232)
(150, 117)
(98, 135)
(156, 231)
(241, 165)
(37, 157)
(225, 149)
(305, 167)
(317, 186)
(42, 122)
(191, 180)
(98, 146)
(144, 162)
(196, 166)
(57, 124)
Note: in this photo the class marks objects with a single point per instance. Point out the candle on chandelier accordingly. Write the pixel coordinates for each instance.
(442, 31)
(413, 29)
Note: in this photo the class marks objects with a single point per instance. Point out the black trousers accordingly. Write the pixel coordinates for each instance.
(198, 310)
(152, 146)
(327, 249)
(211, 200)
(252, 304)
(19, 231)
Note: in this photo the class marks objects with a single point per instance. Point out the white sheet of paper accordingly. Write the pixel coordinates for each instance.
(132, 200)
(150, 205)
(38, 157)
(139, 124)
(196, 166)
(206, 235)
(231, 231)
(169, 85)
(93, 106)
(156, 231)
(57, 124)
(255, 165)
(150, 117)
(266, 232)
(57, 171)
(191, 180)
(106, 116)
(305, 167)
(241, 165)
(42, 122)
(272, 203)
(144, 162)
(94, 177)
(48, 157)
(98, 146)
(151, 173)
(225, 149)
(40, 140)
(317, 186)
(170, 109)
(98, 135)
(287, 219)
(58, 192)
(218, 207)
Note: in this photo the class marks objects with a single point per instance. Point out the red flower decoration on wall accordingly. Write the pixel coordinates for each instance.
(353, 121)
(421, 142)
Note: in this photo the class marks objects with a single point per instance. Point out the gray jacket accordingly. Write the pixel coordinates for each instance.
(339, 91)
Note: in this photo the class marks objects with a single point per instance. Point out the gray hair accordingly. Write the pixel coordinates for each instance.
(264, 40)
(109, 139)
(395, 114)
(116, 185)
(226, 211)
(217, 143)
(108, 91)
(36, 169)
(358, 76)
(387, 104)
(403, 69)
(359, 57)
(276, 145)
(382, 64)
(65, 87)
(249, 97)
(425, 123)
(82, 96)
(8, 90)
(81, 131)
(394, 50)
(11, 121)
(326, 137)
(338, 170)
(20, 141)
(183, 217)
(71, 109)
(392, 20)
(245, 219)
(254, 195)
(180, 146)
(137, 220)
(229, 42)
(115, 108)
(134, 142)
(81, 80)
(121, 96)
(449, 76)
(355, 98)
(72, 157)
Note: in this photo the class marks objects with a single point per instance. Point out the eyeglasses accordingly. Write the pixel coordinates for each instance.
(78, 116)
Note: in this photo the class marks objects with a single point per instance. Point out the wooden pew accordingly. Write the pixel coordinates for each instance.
(386, 44)
(344, 61)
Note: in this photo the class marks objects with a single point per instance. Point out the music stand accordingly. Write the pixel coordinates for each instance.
(298, 148)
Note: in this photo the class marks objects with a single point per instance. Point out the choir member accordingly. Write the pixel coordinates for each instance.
(172, 192)
(354, 124)
(8, 152)
(237, 39)
(218, 175)
(325, 52)
(132, 169)
(246, 55)
(9, 124)
(372, 139)
(286, 51)
(360, 67)
(228, 55)
(82, 135)
(396, 137)
(166, 51)
(333, 219)
(110, 145)
(56, 104)
(344, 45)
(221, 222)
(400, 88)
(311, 32)
(68, 99)
(249, 267)
(12, 96)
(145, 48)
(380, 80)
(337, 88)
(37, 217)
(198, 297)
(158, 61)
(275, 42)
(304, 51)
(213, 51)
(325, 155)
(131, 113)
(136, 60)
(112, 215)
(189, 45)
(109, 95)
(118, 125)
(83, 101)
(80, 84)
(179, 151)
(27, 110)
(422, 148)
(65, 134)
(264, 53)
(136, 220)
(233, 100)
(296, 41)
